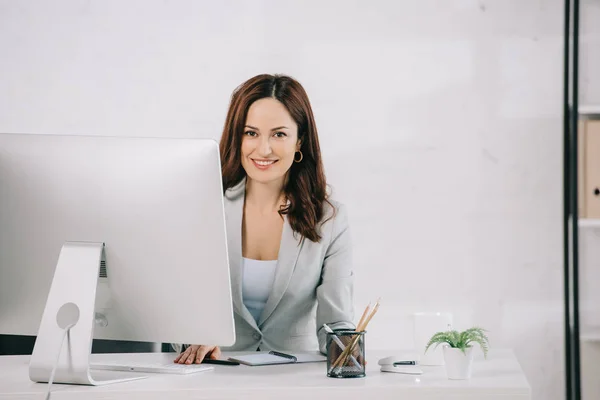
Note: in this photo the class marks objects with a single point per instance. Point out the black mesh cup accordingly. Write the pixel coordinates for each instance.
(346, 354)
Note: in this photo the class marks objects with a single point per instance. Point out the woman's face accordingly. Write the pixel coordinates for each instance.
(270, 141)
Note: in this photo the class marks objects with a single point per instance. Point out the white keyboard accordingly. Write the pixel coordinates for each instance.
(159, 368)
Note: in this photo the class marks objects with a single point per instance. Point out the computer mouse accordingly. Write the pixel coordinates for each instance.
(410, 370)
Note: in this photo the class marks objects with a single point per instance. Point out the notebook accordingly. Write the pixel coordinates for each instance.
(276, 357)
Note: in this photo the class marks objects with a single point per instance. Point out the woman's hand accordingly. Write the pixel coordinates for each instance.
(196, 353)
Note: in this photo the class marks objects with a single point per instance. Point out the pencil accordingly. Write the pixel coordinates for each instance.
(362, 325)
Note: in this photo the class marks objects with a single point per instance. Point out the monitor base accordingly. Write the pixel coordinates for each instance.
(69, 316)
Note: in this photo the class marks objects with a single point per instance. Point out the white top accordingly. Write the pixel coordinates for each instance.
(498, 377)
(257, 282)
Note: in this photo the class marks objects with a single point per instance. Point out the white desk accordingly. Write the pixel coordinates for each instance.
(498, 378)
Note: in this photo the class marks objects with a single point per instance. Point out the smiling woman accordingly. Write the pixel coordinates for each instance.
(270, 124)
(289, 244)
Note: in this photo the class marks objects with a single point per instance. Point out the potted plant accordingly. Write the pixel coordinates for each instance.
(458, 350)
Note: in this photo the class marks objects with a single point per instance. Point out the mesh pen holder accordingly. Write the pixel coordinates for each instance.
(346, 354)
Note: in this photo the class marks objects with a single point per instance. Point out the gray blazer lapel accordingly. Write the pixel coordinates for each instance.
(289, 249)
(234, 210)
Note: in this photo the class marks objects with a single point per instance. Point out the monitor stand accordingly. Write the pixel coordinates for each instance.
(69, 316)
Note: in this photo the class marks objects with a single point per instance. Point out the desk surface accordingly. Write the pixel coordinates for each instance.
(498, 377)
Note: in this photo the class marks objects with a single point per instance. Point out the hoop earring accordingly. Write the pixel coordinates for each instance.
(301, 156)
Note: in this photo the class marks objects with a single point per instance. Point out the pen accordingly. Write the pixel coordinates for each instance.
(288, 356)
(341, 345)
(219, 362)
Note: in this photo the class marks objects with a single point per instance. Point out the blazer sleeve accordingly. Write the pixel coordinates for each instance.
(335, 303)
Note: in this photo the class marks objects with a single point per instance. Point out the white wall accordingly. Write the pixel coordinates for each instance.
(440, 124)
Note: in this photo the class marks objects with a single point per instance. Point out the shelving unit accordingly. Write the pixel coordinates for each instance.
(589, 223)
(592, 336)
(589, 232)
(588, 164)
(589, 111)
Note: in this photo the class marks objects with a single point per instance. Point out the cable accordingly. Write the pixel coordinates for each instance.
(65, 333)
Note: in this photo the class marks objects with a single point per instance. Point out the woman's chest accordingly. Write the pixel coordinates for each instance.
(261, 236)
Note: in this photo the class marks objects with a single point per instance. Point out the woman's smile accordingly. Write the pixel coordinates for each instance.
(262, 164)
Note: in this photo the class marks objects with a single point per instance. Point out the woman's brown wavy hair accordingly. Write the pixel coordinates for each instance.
(306, 186)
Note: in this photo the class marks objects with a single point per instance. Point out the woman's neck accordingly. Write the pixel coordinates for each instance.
(264, 197)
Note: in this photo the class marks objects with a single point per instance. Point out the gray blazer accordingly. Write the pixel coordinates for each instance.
(313, 284)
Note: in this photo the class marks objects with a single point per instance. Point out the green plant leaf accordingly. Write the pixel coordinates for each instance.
(461, 340)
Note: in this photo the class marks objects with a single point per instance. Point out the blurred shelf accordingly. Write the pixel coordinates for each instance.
(590, 110)
(590, 335)
(589, 222)
(590, 338)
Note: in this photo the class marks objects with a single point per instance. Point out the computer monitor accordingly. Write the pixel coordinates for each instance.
(123, 236)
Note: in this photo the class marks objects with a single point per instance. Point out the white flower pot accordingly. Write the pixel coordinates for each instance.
(458, 364)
